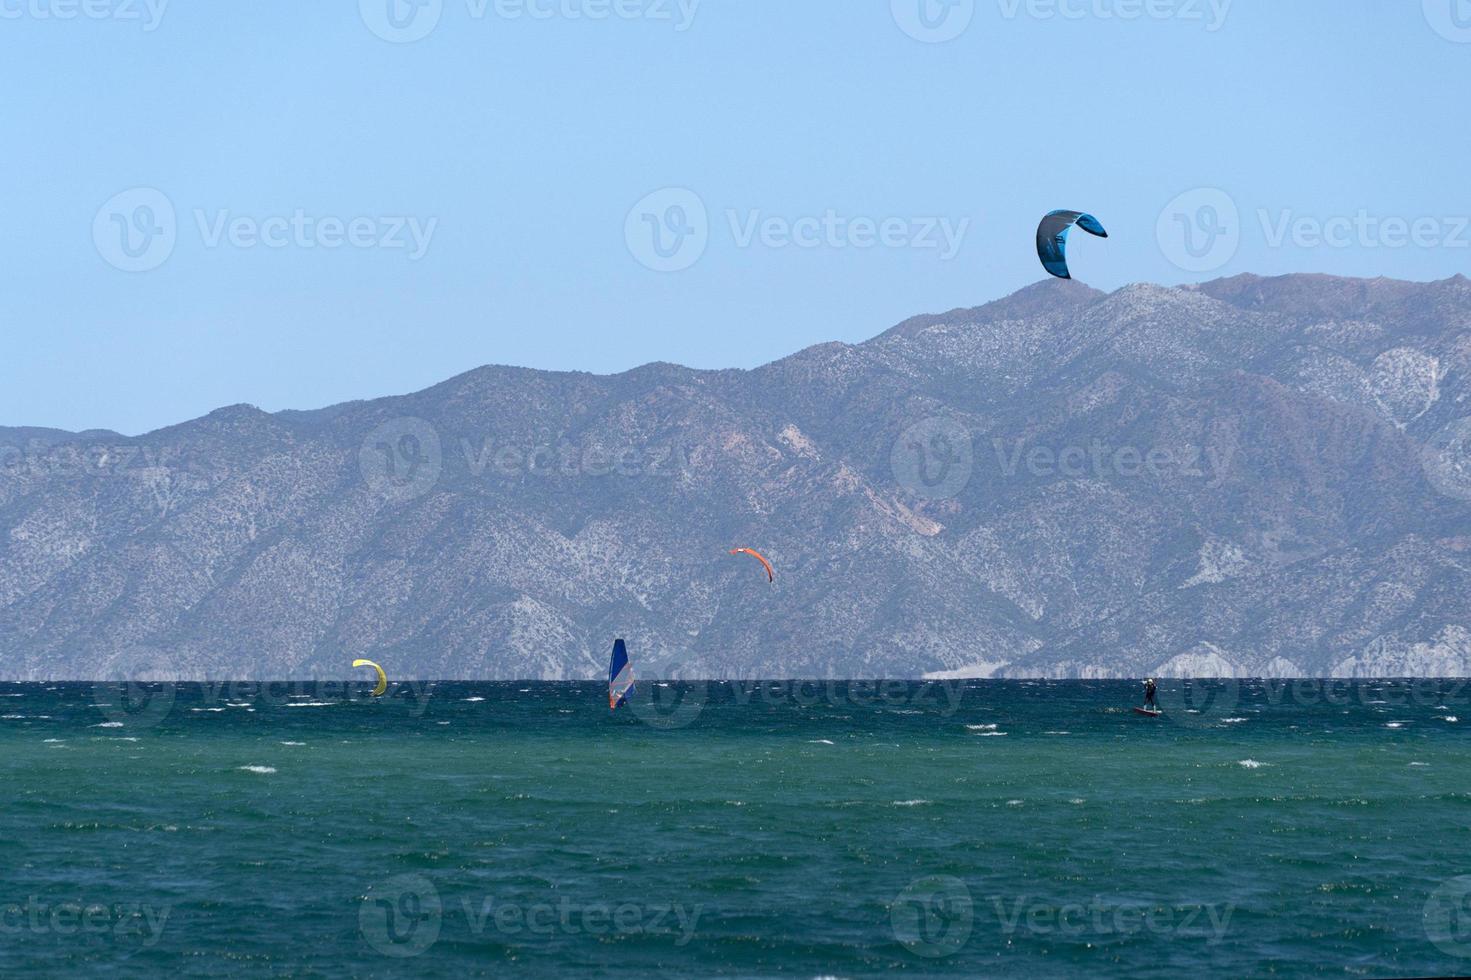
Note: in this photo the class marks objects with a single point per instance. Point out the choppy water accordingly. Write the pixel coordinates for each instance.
(977, 829)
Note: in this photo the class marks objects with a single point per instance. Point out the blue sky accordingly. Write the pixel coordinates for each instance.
(291, 204)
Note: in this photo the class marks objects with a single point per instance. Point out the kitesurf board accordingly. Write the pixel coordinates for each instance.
(1147, 712)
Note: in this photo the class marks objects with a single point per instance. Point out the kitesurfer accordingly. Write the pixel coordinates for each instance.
(1149, 691)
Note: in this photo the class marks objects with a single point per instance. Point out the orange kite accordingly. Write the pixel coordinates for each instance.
(770, 575)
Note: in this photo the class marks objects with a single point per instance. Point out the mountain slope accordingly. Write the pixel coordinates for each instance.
(1059, 483)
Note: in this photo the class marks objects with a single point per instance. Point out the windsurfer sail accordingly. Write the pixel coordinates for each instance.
(620, 676)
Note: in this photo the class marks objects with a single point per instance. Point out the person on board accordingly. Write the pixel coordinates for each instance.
(1149, 691)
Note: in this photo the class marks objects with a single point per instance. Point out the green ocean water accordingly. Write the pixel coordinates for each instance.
(1009, 829)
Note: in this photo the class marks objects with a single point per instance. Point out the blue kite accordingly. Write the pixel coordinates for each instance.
(1052, 238)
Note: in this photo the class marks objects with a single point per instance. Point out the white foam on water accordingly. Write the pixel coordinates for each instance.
(912, 802)
(1420, 764)
(1249, 764)
(1450, 718)
(263, 770)
(820, 741)
(206, 709)
(989, 734)
(1057, 733)
(109, 724)
(1394, 724)
(473, 700)
(311, 704)
(53, 740)
(292, 743)
(1232, 721)
(982, 728)
(1013, 802)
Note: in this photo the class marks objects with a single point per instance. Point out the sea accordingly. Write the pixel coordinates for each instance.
(1316, 828)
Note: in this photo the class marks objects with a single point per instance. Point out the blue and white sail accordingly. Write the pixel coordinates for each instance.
(620, 676)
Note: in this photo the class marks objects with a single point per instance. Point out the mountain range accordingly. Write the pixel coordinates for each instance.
(1248, 477)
